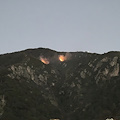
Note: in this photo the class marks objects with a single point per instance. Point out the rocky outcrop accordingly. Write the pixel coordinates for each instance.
(2, 104)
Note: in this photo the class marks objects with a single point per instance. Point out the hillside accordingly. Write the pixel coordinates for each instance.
(43, 84)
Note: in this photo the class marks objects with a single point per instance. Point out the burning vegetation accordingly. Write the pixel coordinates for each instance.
(55, 58)
(44, 60)
(62, 58)
(67, 56)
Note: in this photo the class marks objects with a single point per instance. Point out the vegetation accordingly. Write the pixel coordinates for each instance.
(85, 86)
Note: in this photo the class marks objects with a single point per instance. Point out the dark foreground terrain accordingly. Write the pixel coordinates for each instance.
(36, 85)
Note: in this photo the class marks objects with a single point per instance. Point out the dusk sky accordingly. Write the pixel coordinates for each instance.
(61, 25)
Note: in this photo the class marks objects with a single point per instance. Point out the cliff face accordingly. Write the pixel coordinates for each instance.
(39, 85)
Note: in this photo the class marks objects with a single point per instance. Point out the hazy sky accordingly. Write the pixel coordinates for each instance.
(62, 25)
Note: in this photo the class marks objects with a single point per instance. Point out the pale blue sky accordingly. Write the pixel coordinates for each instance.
(62, 25)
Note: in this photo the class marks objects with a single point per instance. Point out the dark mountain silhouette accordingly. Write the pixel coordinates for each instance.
(36, 84)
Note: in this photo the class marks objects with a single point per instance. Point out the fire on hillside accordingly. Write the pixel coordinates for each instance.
(44, 60)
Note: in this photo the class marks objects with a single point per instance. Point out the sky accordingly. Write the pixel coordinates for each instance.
(61, 25)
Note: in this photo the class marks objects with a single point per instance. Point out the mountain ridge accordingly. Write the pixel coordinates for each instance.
(36, 84)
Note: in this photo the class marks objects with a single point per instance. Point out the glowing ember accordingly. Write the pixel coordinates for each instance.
(44, 60)
(62, 58)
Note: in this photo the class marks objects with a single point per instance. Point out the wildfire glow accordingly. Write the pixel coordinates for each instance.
(44, 60)
(62, 58)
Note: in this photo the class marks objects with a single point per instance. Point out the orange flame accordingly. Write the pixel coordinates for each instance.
(44, 60)
(62, 58)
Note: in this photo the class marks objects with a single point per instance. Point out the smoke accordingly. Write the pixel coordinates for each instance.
(68, 56)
